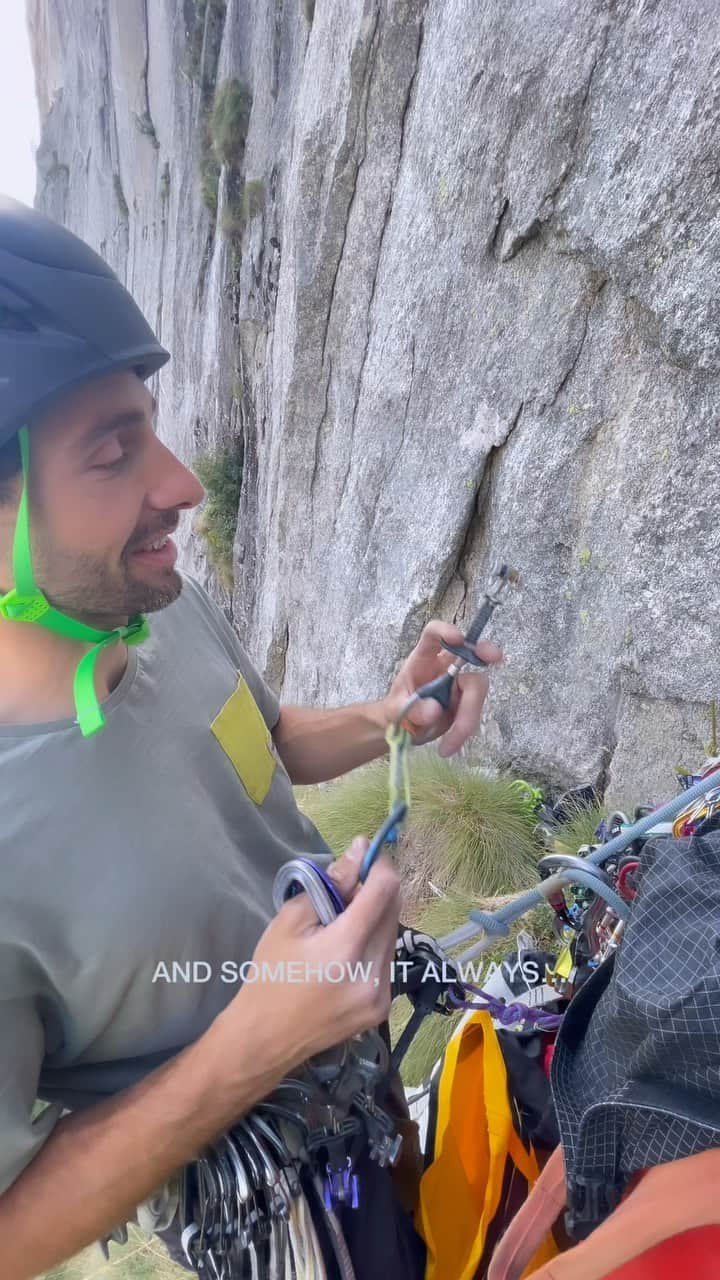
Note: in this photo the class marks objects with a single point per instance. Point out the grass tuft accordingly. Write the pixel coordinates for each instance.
(353, 805)
(471, 829)
(209, 165)
(233, 221)
(253, 199)
(468, 831)
(231, 120)
(142, 1258)
(220, 472)
(579, 828)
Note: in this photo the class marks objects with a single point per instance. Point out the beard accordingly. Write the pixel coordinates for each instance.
(100, 594)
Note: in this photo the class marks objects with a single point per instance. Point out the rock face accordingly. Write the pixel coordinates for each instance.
(474, 315)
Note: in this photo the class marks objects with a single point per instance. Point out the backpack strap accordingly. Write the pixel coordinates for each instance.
(670, 1199)
(533, 1223)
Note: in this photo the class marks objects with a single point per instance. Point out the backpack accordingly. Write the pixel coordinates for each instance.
(480, 1162)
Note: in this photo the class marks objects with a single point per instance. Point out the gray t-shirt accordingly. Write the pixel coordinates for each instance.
(152, 844)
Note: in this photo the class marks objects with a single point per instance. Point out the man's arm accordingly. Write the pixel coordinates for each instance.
(316, 746)
(99, 1164)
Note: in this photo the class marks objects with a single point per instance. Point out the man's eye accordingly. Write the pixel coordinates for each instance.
(113, 465)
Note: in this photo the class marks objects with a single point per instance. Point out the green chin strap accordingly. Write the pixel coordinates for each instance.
(26, 603)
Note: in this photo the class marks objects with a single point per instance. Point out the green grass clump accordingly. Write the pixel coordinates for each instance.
(230, 120)
(223, 131)
(353, 805)
(233, 221)
(471, 829)
(579, 828)
(467, 830)
(253, 199)
(220, 472)
(209, 165)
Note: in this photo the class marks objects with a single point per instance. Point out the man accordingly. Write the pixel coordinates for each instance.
(147, 786)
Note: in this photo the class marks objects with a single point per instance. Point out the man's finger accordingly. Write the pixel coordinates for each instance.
(437, 633)
(346, 870)
(489, 652)
(298, 915)
(473, 688)
(299, 912)
(373, 906)
(434, 634)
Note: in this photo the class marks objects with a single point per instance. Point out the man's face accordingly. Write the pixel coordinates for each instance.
(102, 488)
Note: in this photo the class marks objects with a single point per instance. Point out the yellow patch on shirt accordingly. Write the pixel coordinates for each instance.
(247, 742)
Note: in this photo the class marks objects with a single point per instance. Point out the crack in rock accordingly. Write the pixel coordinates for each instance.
(276, 661)
(597, 287)
(499, 224)
(516, 241)
(361, 117)
(383, 231)
(469, 532)
(390, 467)
(611, 736)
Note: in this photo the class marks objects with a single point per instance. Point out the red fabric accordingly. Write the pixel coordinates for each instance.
(547, 1060)
(695, 1254)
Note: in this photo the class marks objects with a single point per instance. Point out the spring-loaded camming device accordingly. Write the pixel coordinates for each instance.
(399, 735)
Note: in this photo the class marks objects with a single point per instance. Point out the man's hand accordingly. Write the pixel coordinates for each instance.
(427, 720)
(296, 1019)
(316, 745)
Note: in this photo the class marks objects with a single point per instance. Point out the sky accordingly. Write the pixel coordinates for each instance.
(19, 127)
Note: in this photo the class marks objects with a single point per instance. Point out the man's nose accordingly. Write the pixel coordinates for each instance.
(172, 484)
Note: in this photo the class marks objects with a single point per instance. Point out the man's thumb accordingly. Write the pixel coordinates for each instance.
(346, 870)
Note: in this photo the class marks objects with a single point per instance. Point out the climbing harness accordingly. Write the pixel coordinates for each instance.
(27, 603)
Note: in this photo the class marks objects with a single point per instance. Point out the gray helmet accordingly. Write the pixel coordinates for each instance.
(64, 317)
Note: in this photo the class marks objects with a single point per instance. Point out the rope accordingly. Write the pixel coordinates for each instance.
(398, 741)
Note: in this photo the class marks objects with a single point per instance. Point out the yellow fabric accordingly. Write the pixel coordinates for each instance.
(246, 740)
(460, 1191)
